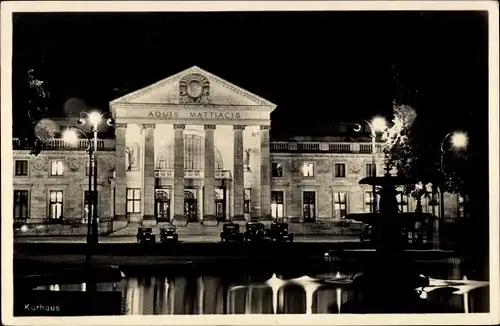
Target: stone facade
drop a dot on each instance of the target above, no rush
(326, 185)
(73, 182)
(195, 148)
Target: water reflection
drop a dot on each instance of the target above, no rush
(191, 293)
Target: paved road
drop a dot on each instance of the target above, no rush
(190, 239)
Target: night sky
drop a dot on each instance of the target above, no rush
(318, 67)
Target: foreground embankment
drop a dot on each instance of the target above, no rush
(125, 253)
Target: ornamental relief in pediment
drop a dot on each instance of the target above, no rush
(194, 88)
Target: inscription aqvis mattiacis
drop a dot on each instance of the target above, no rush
(194, 115)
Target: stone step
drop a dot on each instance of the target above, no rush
(190, 229)
(198, 229)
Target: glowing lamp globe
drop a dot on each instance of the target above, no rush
(379, 124)
(459, 140)
(70, 136)
(94, 118)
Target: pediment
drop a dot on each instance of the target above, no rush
(194, 86)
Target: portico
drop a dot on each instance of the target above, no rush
(192, 148)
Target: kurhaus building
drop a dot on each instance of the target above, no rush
(195, 148)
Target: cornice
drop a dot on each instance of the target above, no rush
(194, 107)
(320, 156)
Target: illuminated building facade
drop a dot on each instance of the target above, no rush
(196, 149)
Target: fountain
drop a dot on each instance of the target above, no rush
(389, 273)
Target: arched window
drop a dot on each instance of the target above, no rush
(188, 195)
(194, 156)
(161, 195)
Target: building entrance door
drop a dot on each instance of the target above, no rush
(190, 207)
(162, 206)
(220, 205)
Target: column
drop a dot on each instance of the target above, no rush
(228, 198)
(209, 176)
(179, 172)
(149, 173)
(120, 172)
(171, 204)
(199, 200)
(265, 173)
(112, 206)
(238, 182)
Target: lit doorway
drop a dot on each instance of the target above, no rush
(190, 207)
(220, 204)
(162, 206)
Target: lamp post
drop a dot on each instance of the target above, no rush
(458, 140)
(94, 118)
(377, 124)
(71, 136)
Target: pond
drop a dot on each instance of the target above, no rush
(285, 290)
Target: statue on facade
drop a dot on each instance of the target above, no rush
(246, 161)
(131, 157)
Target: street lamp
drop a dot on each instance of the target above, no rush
(95, 119)
(70, 135)
(376, 125)
(459, 140)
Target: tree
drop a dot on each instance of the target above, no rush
(31, 111)
(406, 152)
(411, 147)
(396, 148)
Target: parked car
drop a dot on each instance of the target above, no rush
(366, 233)
(231, 232)
(256, 231)
(145, 235)
(279, 232)
(169, 234)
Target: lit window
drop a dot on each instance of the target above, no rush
(277, 170)
(133, 200)
(403, 203)
(339, 170)
(309, 205)
(277, 204)
(89, 205)
(340, 199)
(56, 168)
(369, 201)
(55, 204)
(308, 170)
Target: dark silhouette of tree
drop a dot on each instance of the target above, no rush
(411, 148)
(32, 109)
(396, 148)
